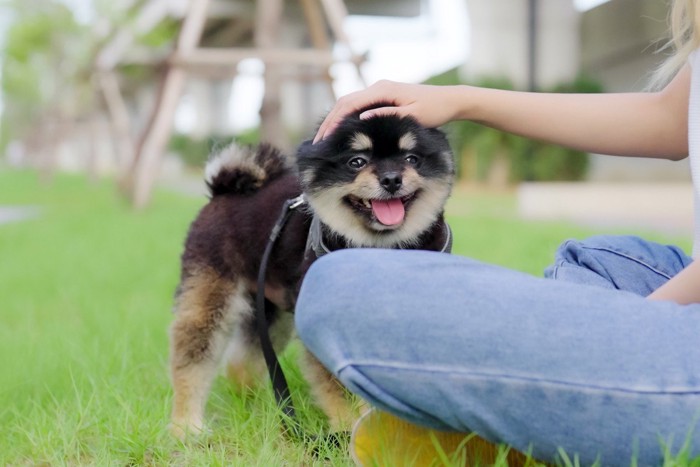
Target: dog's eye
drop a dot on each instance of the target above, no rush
(411, 159)
(357, 162)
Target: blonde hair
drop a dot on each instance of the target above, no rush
(684, 19)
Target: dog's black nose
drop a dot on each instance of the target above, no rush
(391, 181)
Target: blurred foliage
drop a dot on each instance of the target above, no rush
(488, 155)
(163, 34)
(49, 58)
(195, 152)
(44, 66)
(161, 37)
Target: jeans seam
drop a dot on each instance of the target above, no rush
(631, 258)
(555, 269)
(497, 376)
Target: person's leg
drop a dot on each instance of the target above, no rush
(451, 343)
(617, 262)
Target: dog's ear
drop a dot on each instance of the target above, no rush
(306, 153)
(305, 146)
(305, 149)
(439, 135)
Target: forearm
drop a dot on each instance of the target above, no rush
(683, 288)
(625, 124)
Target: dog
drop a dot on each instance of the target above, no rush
(380, 182)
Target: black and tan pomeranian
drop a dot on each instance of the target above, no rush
(379, 182)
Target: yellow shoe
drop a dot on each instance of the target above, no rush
(380, 439)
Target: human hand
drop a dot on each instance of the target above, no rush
(431, 106)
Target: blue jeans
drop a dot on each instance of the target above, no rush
(583, 362)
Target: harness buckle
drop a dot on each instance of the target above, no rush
(296, 202)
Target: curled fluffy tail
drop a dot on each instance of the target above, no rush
(240, 170)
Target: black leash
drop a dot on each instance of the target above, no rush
(290, 424)
(279, 382)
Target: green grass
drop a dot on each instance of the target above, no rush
(85, 298)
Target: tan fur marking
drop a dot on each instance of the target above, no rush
(361, 142)
(198, 341)
(245, 374)
(412, 179)
(187, 417)
(200, 307)
(330, 395)
(407, 141)
(277, 294)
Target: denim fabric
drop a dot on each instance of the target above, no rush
(620, 262)
(573, 363)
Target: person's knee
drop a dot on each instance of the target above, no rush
(328, 286)
(347, 287)
(579, 251)
(566, 253)
(578, 255)
(568, 250)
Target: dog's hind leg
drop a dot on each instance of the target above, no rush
(209, 308)
(243, 366)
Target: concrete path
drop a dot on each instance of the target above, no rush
(664, 207)
(18, 213)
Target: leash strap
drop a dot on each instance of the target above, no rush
(279, 382)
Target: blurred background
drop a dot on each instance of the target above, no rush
(144, 90)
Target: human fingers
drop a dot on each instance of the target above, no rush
(332, 122)
(352, 103)
(328, 123)
(382, 112)
(344, 106)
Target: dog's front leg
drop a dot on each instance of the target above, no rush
(331, 396)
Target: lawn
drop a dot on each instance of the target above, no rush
(85, 303)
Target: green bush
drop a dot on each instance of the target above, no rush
(488, 155)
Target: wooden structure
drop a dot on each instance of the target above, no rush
(140, 159)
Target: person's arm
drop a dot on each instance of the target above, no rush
(683, 288)
(652, 124)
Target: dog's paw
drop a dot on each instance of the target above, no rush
(187, 430)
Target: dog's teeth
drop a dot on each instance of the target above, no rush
(367, 203)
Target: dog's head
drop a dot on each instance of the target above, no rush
(379, 182)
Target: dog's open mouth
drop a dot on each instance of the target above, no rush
(389, 212)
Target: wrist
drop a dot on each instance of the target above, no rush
(464, 100)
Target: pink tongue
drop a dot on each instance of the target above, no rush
(388, 212)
